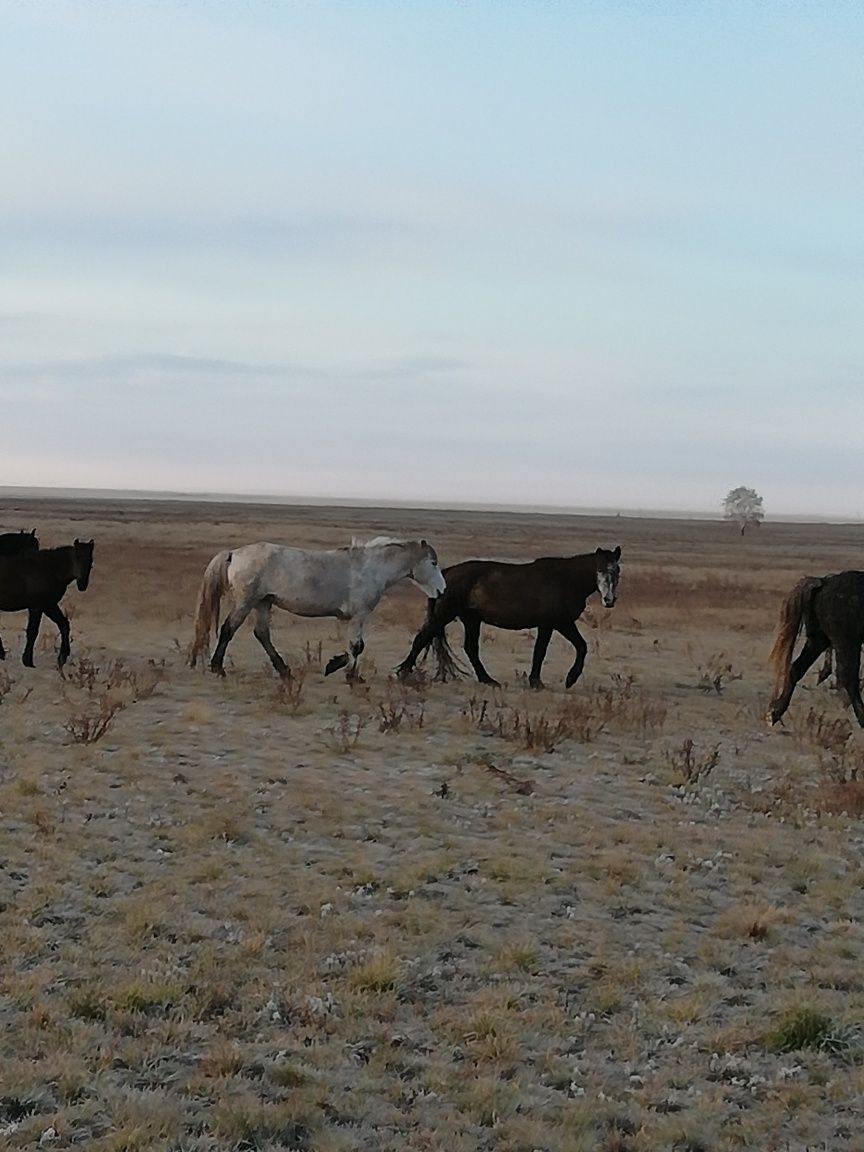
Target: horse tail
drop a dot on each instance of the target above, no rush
(213, 584)
(449, 667)
(792, 613)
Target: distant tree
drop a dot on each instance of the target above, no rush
(744, 506)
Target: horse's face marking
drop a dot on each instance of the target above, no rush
(608, 574)
(426, 574)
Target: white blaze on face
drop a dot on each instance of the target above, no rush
(428, 577)
(607, 583)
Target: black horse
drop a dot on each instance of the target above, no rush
(37, 581)
(548, 594)
(11, 543)
(831, 610)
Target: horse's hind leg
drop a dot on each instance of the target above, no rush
(570, 632)
(263, 614)
(544, 635)
(849, 676)
(231, 623)
(471, 624)
(443, 612)
(814, 646)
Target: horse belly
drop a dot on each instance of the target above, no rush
(505, 606)
(315, 594)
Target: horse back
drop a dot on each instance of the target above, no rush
(304, 582)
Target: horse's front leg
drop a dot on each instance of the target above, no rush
(849, 676)
(34, 619)
(827, 666)
(56, 614)
(355, 647)
(570, 632)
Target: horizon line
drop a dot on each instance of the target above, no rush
(39, 492)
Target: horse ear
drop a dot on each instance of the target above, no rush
(77, 541)
(617, 553)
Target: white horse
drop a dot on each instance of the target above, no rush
(343, 582)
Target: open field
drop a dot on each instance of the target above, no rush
(250, 915)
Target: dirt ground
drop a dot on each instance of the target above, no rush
(248, 914)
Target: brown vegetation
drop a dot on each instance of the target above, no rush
(261, 913)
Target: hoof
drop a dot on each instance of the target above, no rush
(537, 684)
(335, 663)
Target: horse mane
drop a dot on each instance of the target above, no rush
(375, 542)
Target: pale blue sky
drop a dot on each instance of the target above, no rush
(580, 254)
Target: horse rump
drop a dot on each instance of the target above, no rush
(213, 585)
(793, 614)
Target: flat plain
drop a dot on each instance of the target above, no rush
(255, 914)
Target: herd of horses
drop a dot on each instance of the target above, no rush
(549, 594)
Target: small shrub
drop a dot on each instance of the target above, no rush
(816, 728)
(289, 689)
(689, 765)
(92, 721)
(346, 729)
(716, 673)
(106, 691)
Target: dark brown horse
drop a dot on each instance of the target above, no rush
(11, 543)
(548, 594)
(37, 582)
(831, 611)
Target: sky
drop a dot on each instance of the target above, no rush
(576, 254)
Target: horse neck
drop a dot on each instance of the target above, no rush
(62, 563)
(393, 562)
(583, 570)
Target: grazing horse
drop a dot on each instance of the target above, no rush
(37, 581)
(548, 594)
(346, 583)
(831, 611)
(11, 543)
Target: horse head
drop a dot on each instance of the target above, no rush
(608, 573)
(426, 573)
(82, 562)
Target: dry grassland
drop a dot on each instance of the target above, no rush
(242, 914)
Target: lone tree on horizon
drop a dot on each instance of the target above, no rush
(744, 506)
